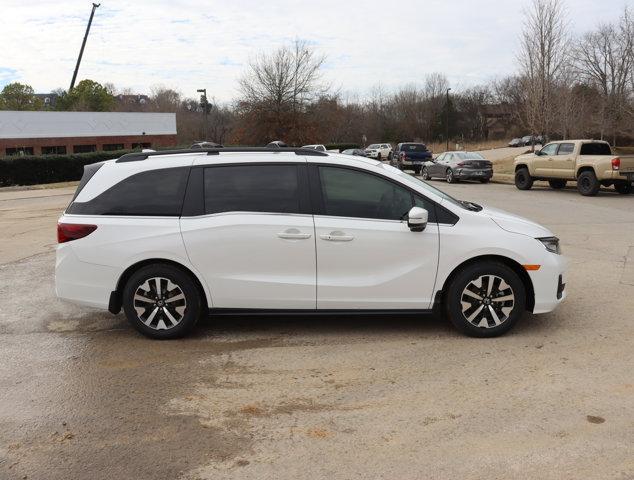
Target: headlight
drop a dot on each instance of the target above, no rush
(551, 244)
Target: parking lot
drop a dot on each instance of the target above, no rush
(85, 396)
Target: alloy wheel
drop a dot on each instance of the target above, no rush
(487, 301)
(160, 303)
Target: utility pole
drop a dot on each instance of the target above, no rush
(447, 120)
(205, 105)
(83, 44)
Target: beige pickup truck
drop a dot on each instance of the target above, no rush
(590, 162)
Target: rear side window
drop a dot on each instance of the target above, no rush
(252, 188)
(152, 193)
(598, 148)
(566, 148)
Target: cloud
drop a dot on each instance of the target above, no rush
(191, 44)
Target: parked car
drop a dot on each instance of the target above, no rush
(380, 151)
(455, 166)
(516, 142)
(354, 151)
(171, 237)
(529, 140)
(319, 148)
(590, 162)
(411, 156)
(276, 144)
(206, 145)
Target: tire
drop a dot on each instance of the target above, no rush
(426, 174)
(378, 156)
(587, 183)
(557, 184)
(523, 179)
(389, 156)
(623, 188)
(170, 318)
(417, 171)
(485, 316)
(449, 176)
(485, 180)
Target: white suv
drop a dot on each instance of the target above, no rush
(380, 151)
(171, 236)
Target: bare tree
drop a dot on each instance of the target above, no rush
(544, 53)
(605, 59)
(280, 85)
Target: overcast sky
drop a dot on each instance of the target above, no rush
(190, 44)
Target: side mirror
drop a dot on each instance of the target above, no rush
(538, 151)
(417, 219)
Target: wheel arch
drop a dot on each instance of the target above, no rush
(585, 168)
(116, 300)
(521, 165)
(509, 262)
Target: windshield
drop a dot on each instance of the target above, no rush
(419, 183)
(469, 156)
(374, 145)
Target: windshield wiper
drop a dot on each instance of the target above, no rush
(474, 207)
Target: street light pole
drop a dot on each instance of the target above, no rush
(205, 111)
(83, 44)
(447, 119)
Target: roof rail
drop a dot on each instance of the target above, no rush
(138, 156)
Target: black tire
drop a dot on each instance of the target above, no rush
(587, 183)
(557, 184)
(449, 176)
(485, 180)
(389, 156)
(476, 317)
(378, 156)
(425, 174)
(624, 188)
(185, 317)
(523, 179)
(416, 170)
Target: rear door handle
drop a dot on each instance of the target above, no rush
(336, 237)
(293, 234)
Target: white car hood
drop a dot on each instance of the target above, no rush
(516, 224)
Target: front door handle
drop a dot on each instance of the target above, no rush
(293, 234)
(336, 236)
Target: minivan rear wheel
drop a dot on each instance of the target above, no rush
(485, 299)
(162, 301)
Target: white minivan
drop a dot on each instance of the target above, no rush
(172, 236)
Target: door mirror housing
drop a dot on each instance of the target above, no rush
(417, 219)
(538, 151)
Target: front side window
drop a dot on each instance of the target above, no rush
(252, 188)
(549, 149)
(350, 193)
(151, 193)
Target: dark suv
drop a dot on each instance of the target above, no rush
(411, 156)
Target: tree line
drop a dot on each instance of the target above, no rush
(565, 87)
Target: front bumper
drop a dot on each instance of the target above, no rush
(549, 283)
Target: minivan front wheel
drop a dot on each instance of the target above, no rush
(162, 301)
(485, 299)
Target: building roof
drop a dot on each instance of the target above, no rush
(49, 124)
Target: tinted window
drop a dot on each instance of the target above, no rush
(153, 193)
(566, 148)
(414, 147)
(598, 148)
(350, 193)
(549, 149)
(252, 188)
